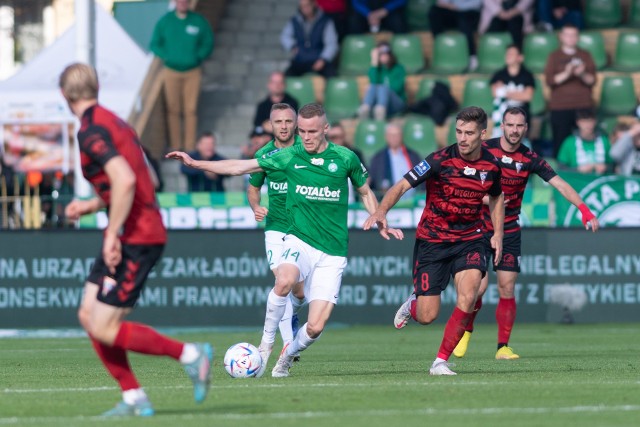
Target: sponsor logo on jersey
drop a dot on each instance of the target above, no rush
(278, 186)
(108, 284)
(519, 166)
(299, 166)
(506, 159)
(332, 167)
(469, 171)
(270, 153)
(324, 193)
(192, 30)
(317, 162)
(422, 168)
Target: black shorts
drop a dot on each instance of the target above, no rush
(434, 264)
(511, 251)
(123, 288)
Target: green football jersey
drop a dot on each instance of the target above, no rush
(277, 219)
(318, 193)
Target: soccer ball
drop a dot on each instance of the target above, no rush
(242, 360)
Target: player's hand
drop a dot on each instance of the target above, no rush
(77, 208)
(395, 232)
(496, 245)
(260, 213)
(589, 220)
(111, 251)
(182, 156)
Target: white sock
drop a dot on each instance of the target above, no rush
(134, 395)
(286, 331)
(275, 310)
(296, 303)
(302, 341)
(438, 360)
(189, 353)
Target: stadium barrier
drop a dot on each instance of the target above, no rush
(221, 278)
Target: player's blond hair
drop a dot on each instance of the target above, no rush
(312, 110)
(79, 81)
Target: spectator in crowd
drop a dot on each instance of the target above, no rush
(277, 88)
(625, 151)
(311, 38)
(200, 180)
(257, 139)
(375, 15)
(182, 39)
(556, 13)
(338, 11)
(570, 74)
(385, 95)
(512, 86)
(389, 165)
(514, 16)
(460, 15)
(338, 136)
(587, 150)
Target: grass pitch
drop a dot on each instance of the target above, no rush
(576, 375)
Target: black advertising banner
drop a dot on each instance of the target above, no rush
(221, 278)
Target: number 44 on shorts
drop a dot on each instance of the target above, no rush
(286, 254)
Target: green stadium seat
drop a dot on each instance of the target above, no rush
(633, 19)
(627, 51)
(537, 47)
(419, 134)
(416, 13)
(355, 55)
(538, 104)
(369, 138)
(617, 96)
(491, 50)
(341, 98)
(451, 133)
(408, 49)
(450, 53)
(593, 42)
(602, 13)
(301, 88)
(477, 91)
(606, 124)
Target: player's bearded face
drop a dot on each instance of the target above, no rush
(514, 128)
(469, 137)
(283, 123)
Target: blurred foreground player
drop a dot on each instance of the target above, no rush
(113, 162)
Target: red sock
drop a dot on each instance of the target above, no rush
(505, 317)
(453, 331)
(146, 340)
(117, 363)
(412, 309)
(474, 313)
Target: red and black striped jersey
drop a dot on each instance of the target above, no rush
(455, 188)
(516, 169)
(103, 136)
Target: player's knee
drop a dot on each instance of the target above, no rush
(84, 319)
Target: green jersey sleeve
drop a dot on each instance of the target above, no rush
(278, 161)
(358, 173)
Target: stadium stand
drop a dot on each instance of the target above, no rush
(369, 137)
(627, 56)
(602, 13)
(408, 50)
(537, 46)
(301, 88)
(416, 14)
(617, 96)
(593, 42)
(477, 91)
(341, 98)
(491, 50)
(355, 54)
(419, 134)
(450, 53)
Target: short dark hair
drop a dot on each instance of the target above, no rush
(311, 110)
(282, 106)
(514, 46)
(514, 111)
(585, 114)
(473, 115)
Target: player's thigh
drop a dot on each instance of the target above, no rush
(273, 243)
(325, 279)
(469, 267)
(295, 265)
(431, 268)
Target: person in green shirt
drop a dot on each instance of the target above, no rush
(385, 95)
(315, 246)
(283, 121)
(182, 39)
(587, 150)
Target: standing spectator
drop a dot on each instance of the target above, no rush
(338, 11)
(625, 151)
(557, 13)
(201, 180)
(461, 15)
(512, 86)
(182, 39)
(391, 163)
(385, 95)
(375, 15)
(311, 38)
(570, 74)
(277, 88)
(586, 151)
(514, 16)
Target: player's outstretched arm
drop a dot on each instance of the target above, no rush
(589, 220)
(253, 196)
(76, 208)
(496, 208)
(378, 215)
(220, 167)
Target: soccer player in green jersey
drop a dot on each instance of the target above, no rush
(283, 121)
(315, 247)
